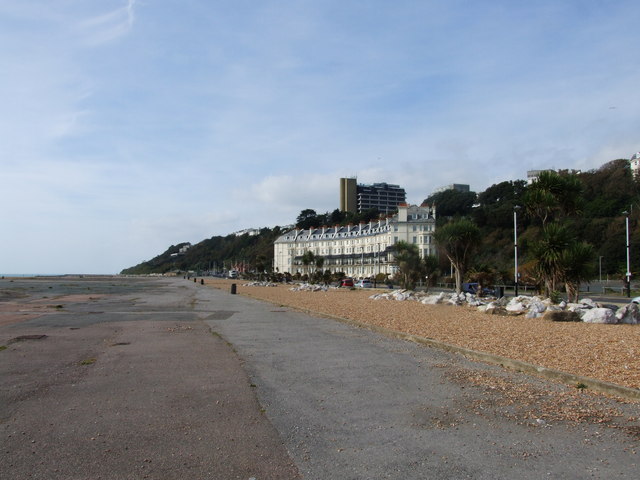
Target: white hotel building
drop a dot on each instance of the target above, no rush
(362, 250)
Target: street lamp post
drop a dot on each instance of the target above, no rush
(628, 274)
(600, 267)
(515, 247)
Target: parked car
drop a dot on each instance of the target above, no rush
(364, 283)
(346, 282)
(471, 287)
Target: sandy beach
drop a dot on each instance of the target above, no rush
(603, 352)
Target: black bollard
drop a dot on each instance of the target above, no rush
(195, 280)
(202, 281)
(233, 289)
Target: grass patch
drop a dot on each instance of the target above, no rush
(3, 347)
(88, 361)
(581, 386)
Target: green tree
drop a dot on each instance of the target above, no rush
(552, 195)
(458, 240)
(452, 202)
(578, 267)
(308, 258)
(307, 219)
(549, 253)
(410, 267)
(431, 271)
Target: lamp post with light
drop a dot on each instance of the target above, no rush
(515, 247)
(628, 274)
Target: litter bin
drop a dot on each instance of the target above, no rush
(233, 289)
(499, 292)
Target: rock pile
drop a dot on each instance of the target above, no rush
(259, 284)
(308, 287)
(529, 306)
(427, 299)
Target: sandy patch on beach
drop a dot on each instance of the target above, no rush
(604, 352)
(77, 298)
(21, 311)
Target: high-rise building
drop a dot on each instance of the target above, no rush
(357, 198)
(348, 195)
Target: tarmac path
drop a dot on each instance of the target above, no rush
(129, 382)
(353, 404)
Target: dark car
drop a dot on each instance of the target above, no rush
(473, 288)
(346, 282)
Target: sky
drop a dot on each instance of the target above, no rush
(128, 126)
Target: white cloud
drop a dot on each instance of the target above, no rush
(126, 129)
(107, 27)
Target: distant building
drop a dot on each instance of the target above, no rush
(460, 187)
(358, 198)
(249, 231)
(634, 163)
(349, 195)
(532, 175)
(362, 250)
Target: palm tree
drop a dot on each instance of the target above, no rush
(553, 194)
(548, 252)
(307, 259)
(458, 240)
(407, 258)
(578, 262)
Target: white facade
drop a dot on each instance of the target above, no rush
(635, 164)
(362, 250)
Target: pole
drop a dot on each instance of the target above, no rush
(628, 260)
(515, 248)
(600, 267)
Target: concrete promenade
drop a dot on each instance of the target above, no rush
(130, 382)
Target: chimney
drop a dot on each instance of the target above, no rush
(402, 212)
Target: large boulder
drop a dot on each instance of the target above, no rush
(401, 295)
(629, 314)
(599, 315)
(493, 308)
(433, 299)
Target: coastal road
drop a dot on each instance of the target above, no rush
(167, 378)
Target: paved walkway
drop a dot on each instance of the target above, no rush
(352, 404)
(129, 382)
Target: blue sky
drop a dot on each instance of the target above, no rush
(130, 125)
